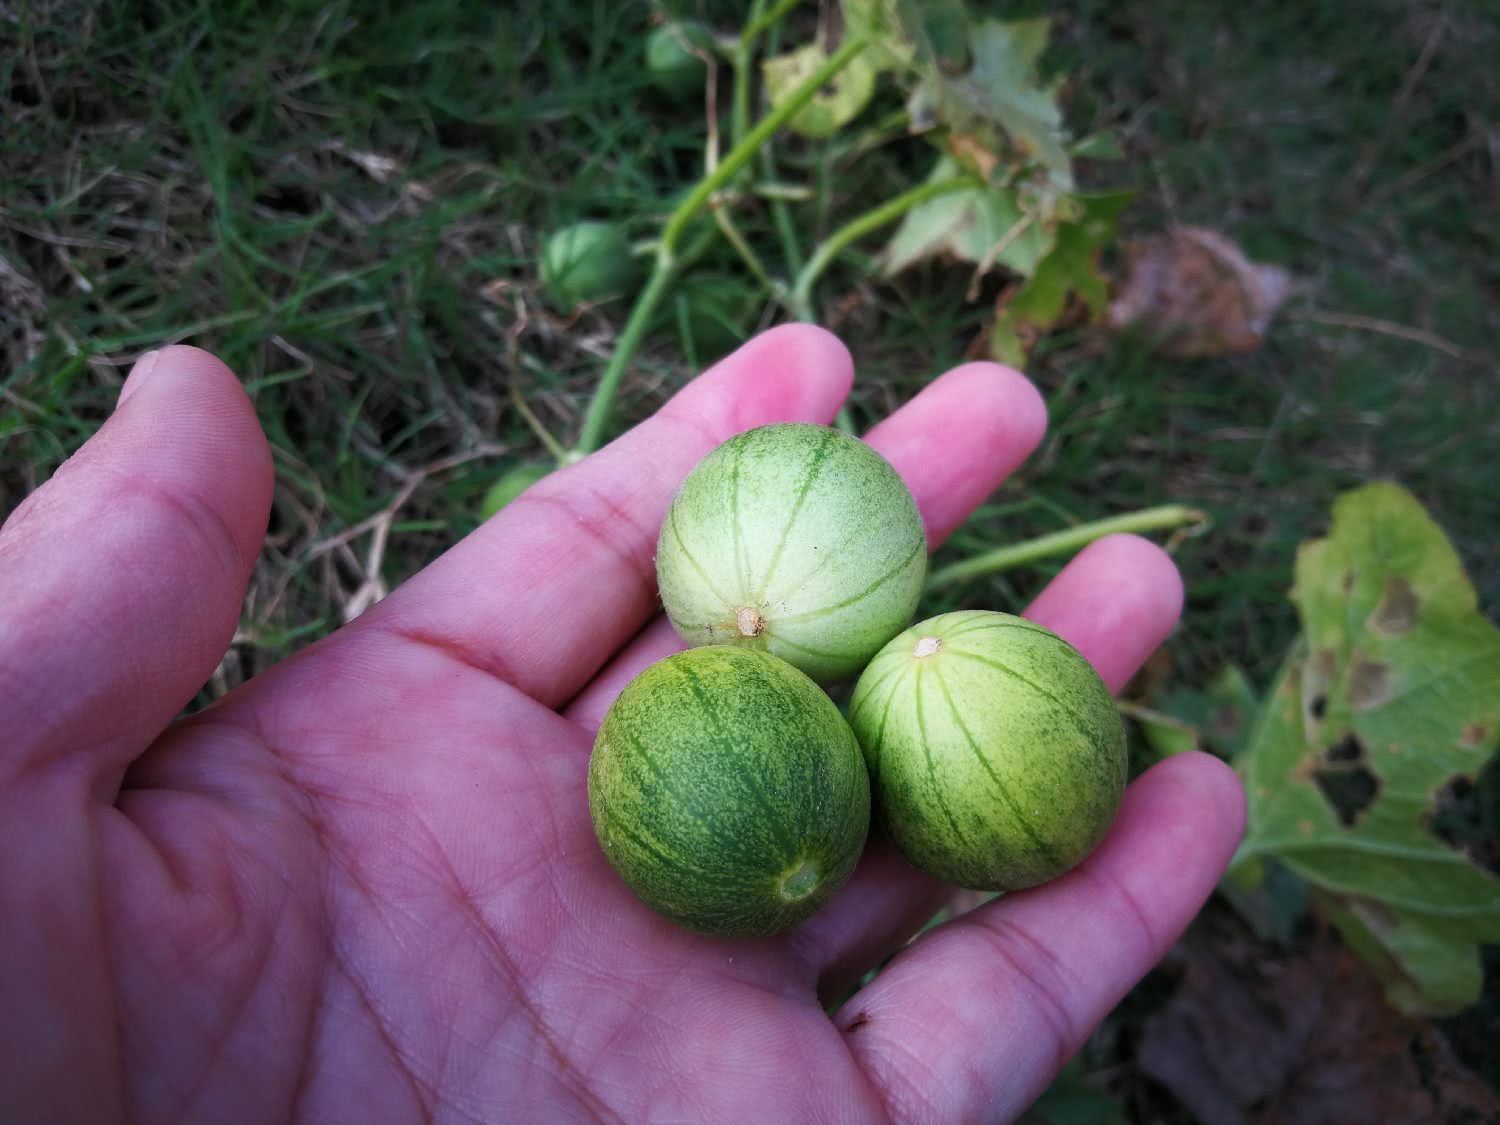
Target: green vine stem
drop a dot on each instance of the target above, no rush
(597, 417)
(1163, 518)
(745, 250)
(800, 299)
(760, 22)
(757, 26)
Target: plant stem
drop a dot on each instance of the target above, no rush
(544, 435)
(746, 252)
(742, 152)
(630, 337)
(597, 417)
(781, 214)
(760, 24)
(856, 228)
(739, 61)
(1065, 542)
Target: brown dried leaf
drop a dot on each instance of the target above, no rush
(1255, 1038)
(1196, 294)
(973, 153)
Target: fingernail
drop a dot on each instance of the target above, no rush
(138, 375)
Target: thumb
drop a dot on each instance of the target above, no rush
(121, 578)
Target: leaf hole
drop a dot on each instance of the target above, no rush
(1347, 749)
(1345, 782)
(1461, 814)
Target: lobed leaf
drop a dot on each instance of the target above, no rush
(1387, 703)
(966, 225)
(832, 107)
(1000, 89)
(1070, 267)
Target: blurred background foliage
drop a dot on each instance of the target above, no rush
(349, 202)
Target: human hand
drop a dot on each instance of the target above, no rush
(364, 886)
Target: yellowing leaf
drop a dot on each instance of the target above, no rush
(1390, 699)
(1070, 267)
(1000, 89)
(831, 108)
(881, 22)
(967, 225)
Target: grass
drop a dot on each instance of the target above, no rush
(345, 202)
(352, 224)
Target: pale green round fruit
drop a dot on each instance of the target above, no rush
(797, 540)
(728, 792)
(997, 758)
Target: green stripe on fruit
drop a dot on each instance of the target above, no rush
(728, 792)
(997, 758)
(796, 540)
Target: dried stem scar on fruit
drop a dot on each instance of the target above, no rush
(997, 758)
(728, 792)
(797, 540)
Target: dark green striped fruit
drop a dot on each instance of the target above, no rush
(728, 792)
(997, 758)
(797, 540)
(673, 60)
(586, 262)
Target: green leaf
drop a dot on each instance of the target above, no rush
(1423, 971)
(831, 108)
(966, 225)
(1390, 697)
(1000, 90)
(1070, 267)
(1166, 734)
(886, 26)
(946, 34)
(1070, 1100)
(1222, 712)
(1098, 146)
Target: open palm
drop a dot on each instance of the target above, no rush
(364, 886)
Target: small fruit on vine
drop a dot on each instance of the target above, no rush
(509, 485)
(585, 262)
(674, 59)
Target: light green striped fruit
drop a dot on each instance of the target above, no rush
(997, 758)
(798, 540)
(728, 792)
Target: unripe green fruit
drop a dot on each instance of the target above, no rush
(509, 485)
(795, 539)
(997, 758)
(672, 61)
(728, 792)
(587, 261)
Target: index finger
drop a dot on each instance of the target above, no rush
(547, 590)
